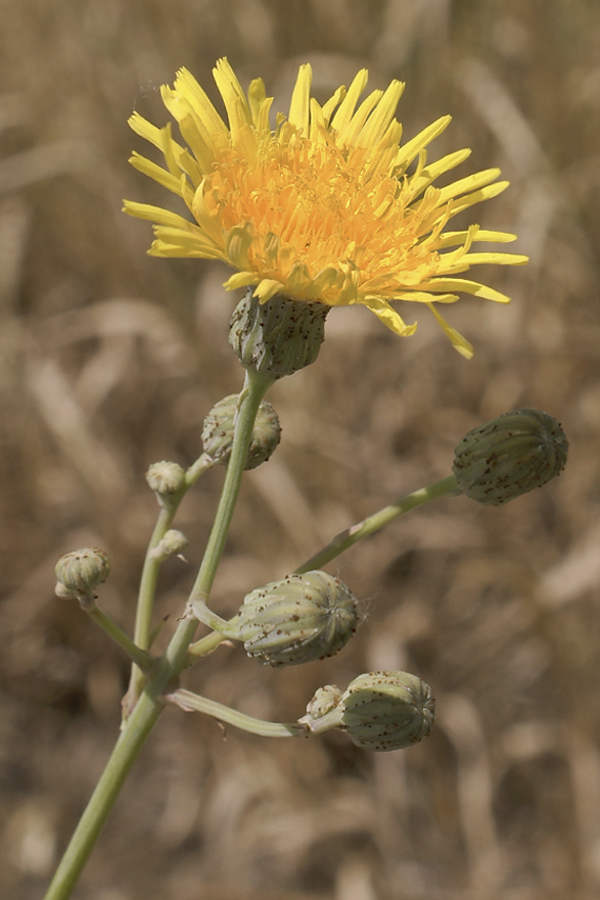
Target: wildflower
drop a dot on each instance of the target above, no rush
(322, 207)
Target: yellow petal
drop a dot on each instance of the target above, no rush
(459, 342)
(299, 106)
(345, 111)
(390, 318)
(467, 287)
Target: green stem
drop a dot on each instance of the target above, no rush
(147, 592)
(191, 702)
(145, 603)
(165, 670)
(344, 540)
(140, 657)
(202, 464)
(255, 387)
(204, 646)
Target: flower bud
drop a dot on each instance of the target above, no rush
(217, 433)
(80, 571)
(300, 619)
(174, 542)
(509, 456)
(278, 337)
(165, 478)
(387, 710)
(326, 699)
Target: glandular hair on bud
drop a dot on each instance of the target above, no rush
(510, 456)
(387, 710)
(165, 478)
(297, 620)
(278, 337)
(219, 426)
(80, 571)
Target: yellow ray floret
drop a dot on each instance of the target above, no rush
(321, 207)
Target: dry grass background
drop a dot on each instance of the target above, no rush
(110, 360)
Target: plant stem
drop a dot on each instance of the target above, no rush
(148, 581)
(348, 537)
(140, 657)
(204, 646)
(166, 669)
(191, 702)
(255, 387)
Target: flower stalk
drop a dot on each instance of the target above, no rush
(166, 670)
(190, 702)
(447, 487)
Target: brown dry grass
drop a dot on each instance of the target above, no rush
(111, 359)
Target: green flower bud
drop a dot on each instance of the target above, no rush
(326, 699)
(217, 433)
(165, 478)
(64, 593)
(173, 542)
(300, 619)
(80, 571)
(509, 456)
(387, 710)
(278, 337)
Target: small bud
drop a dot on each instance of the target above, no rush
(387, 710)
(174, 542)
(217, 433)
(509, 456)
(300, 619)
(278, 337)
(80, 571)
(165, 478)
(64, 593)
(326, 699)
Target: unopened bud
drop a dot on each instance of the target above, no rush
(219, 425)
(299, 619)
(174, 542)
(326, 699)
(278, 337)
(80, 571)
(509, 456)
(387, 710)
(165, 478)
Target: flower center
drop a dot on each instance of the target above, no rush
(322, 205)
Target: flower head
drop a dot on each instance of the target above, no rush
(509, 456)
(298, 620)
(322, 207)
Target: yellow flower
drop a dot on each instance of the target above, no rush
(322, 207)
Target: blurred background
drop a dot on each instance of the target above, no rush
(111, 359)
